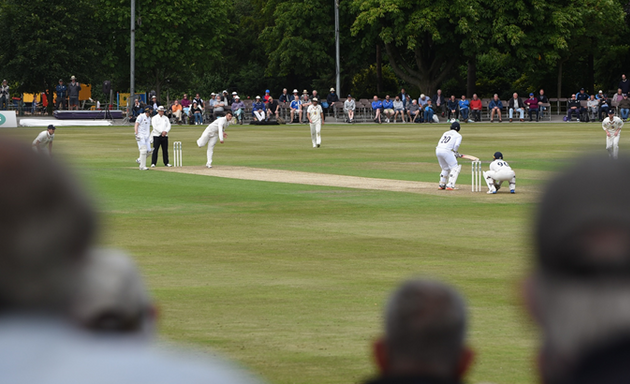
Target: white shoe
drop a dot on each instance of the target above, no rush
(144, 169)
(168, 165)
(208, 166)
(138, 161)
(386, 120)
(152, 165)
(491, 192)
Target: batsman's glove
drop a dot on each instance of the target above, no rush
(457, 154)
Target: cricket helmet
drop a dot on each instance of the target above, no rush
(498, 155)
(455, 125)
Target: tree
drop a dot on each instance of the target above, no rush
(424, 40)
(55, 42)
(173, 38)
(301, 41)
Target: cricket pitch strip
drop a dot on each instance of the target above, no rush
(341, 181)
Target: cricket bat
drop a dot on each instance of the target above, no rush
(470, 157)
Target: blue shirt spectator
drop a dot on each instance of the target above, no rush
(463, 103)
(582, 95)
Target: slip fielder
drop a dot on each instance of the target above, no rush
(43, 142)
(446, 152)
(142, 130)
(499, 172)
(214, 132)
(612, 126)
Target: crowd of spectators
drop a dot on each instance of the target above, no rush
(401, 107)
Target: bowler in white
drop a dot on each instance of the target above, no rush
(142, 130)
(214, 132)
(315, 115)
(499, 172)
(446, 152)
(43, 142)
(612, 126)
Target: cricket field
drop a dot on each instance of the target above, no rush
(290, 279)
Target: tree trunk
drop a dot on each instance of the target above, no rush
(379, 70)
(591, 74)
(50, 94)
(472, 77)
(559, 83)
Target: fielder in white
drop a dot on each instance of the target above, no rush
(499, 172)
(446, 152)
(43, 142)
(214, 132)
(315, 115)
(612, 125)
(142, 130)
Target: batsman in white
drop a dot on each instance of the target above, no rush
(43, 141)
(446, 152)
(316, 119)
(142, 130)
(214, 132)
(499, 172)
(612, 126)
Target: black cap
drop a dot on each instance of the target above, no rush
(51, 127)
(455, 126)
(583, 230)
(147, 109)
(498, 155)
(581, 89)
(611, 111)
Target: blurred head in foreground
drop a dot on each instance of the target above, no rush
(579, 292)
(111, 296)
(46, 226)
(425, 330)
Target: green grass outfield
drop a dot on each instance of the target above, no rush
(290, 280)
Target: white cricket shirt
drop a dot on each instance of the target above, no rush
(315, 113)
(450, 141)
(612, 126)
(160, 124)
(144, 125)
(44, 138)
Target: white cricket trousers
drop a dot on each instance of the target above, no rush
(210, 136)
(612, 145)
(316, 133)
(499, 177)
(447, 161)
(144, 152)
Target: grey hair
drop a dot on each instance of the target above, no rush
(45, 228)
(425, 327)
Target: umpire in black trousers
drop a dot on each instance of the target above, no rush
(161, 126)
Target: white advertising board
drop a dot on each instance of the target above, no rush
(7, 119)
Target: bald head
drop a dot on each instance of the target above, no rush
(45, 228)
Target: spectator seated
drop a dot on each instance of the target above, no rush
(237, 109)
(349, 107)
(259, 109)
(496, 107)
(399, 109)
(624, 107)
(377, 107)
(413, 112)
(453, 108)
(532, 106)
